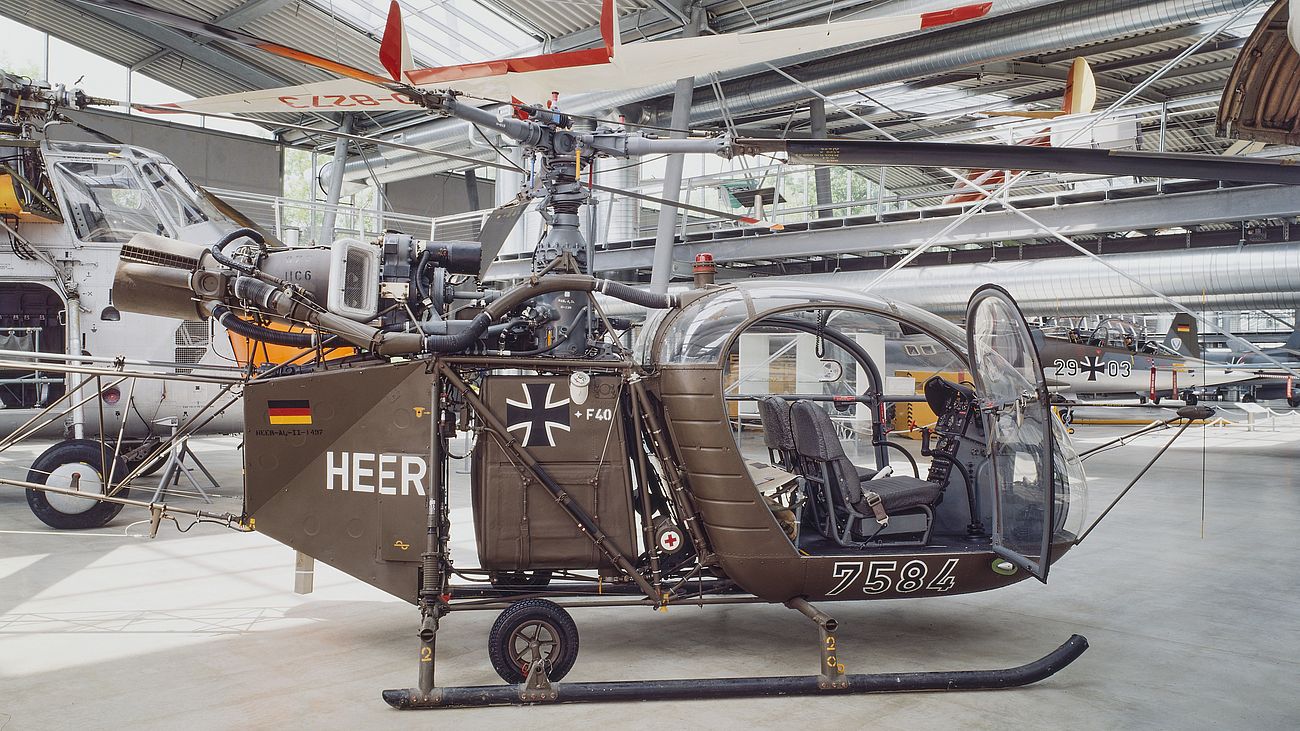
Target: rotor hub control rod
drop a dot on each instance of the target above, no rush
(751, 687)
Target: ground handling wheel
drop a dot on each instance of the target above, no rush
(56, 467)
(531, 630)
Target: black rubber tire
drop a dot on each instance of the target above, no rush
(1191, 399)
(66, 452)
(1248, 398)
(522, 615)
(1293, 402)
(521, 579)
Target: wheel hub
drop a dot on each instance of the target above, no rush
(532, 642)
(88, 481)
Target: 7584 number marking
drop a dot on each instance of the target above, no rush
(902, 577)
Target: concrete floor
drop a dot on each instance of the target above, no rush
(107, 629)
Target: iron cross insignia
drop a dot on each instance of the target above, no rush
(537, 415)
(1092, 365)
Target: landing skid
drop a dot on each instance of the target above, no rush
(538, 690)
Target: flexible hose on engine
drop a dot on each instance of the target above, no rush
(234, 324)
(641, 297)
(512, 298)
(238, 233)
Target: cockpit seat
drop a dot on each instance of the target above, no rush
(778, 436)
(847, 507)
(774, 412)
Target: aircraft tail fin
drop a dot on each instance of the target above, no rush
(1080, 89)
(1293, 340)
(609, 30)
(395, 48)
(1183, 336)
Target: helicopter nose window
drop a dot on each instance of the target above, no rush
(106, 202)
(181, 199)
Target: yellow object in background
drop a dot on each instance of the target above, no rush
(909, 418)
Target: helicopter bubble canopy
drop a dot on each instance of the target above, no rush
(110, 193)
(702, 331)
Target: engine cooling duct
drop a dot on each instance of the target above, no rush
(161, 276)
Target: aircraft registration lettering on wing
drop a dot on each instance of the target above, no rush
(329, 101)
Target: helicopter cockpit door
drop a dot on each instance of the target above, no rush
(1017, 414)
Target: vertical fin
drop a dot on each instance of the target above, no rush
(395, 49)
(1293, 340)
(609, 30)
(1081, 89)
(1183, 337)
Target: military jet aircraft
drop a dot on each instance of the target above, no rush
(1275, 385)
(1116, 359)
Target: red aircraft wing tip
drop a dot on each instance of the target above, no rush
(155, 108)
(390, 48)
(955, 15)
(607, 25)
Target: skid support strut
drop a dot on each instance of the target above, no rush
(710, 688)
(830, 669)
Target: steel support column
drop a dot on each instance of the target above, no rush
(662, 272)
(335, 189)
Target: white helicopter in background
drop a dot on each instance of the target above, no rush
(67, 210)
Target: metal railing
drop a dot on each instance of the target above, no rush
(299, 223)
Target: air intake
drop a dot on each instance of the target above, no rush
(353, 280)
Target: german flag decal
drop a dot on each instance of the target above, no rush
(289, 412)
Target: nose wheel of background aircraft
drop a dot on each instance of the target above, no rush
(532, 630)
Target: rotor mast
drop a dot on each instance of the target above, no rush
(563, 153)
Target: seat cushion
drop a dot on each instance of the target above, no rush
(900, 493)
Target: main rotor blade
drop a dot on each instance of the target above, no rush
(339, 135)
(1284, 171)
(712, 212)
(211, 30)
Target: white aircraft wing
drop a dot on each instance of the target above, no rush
(335, 95)
(628, 66)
